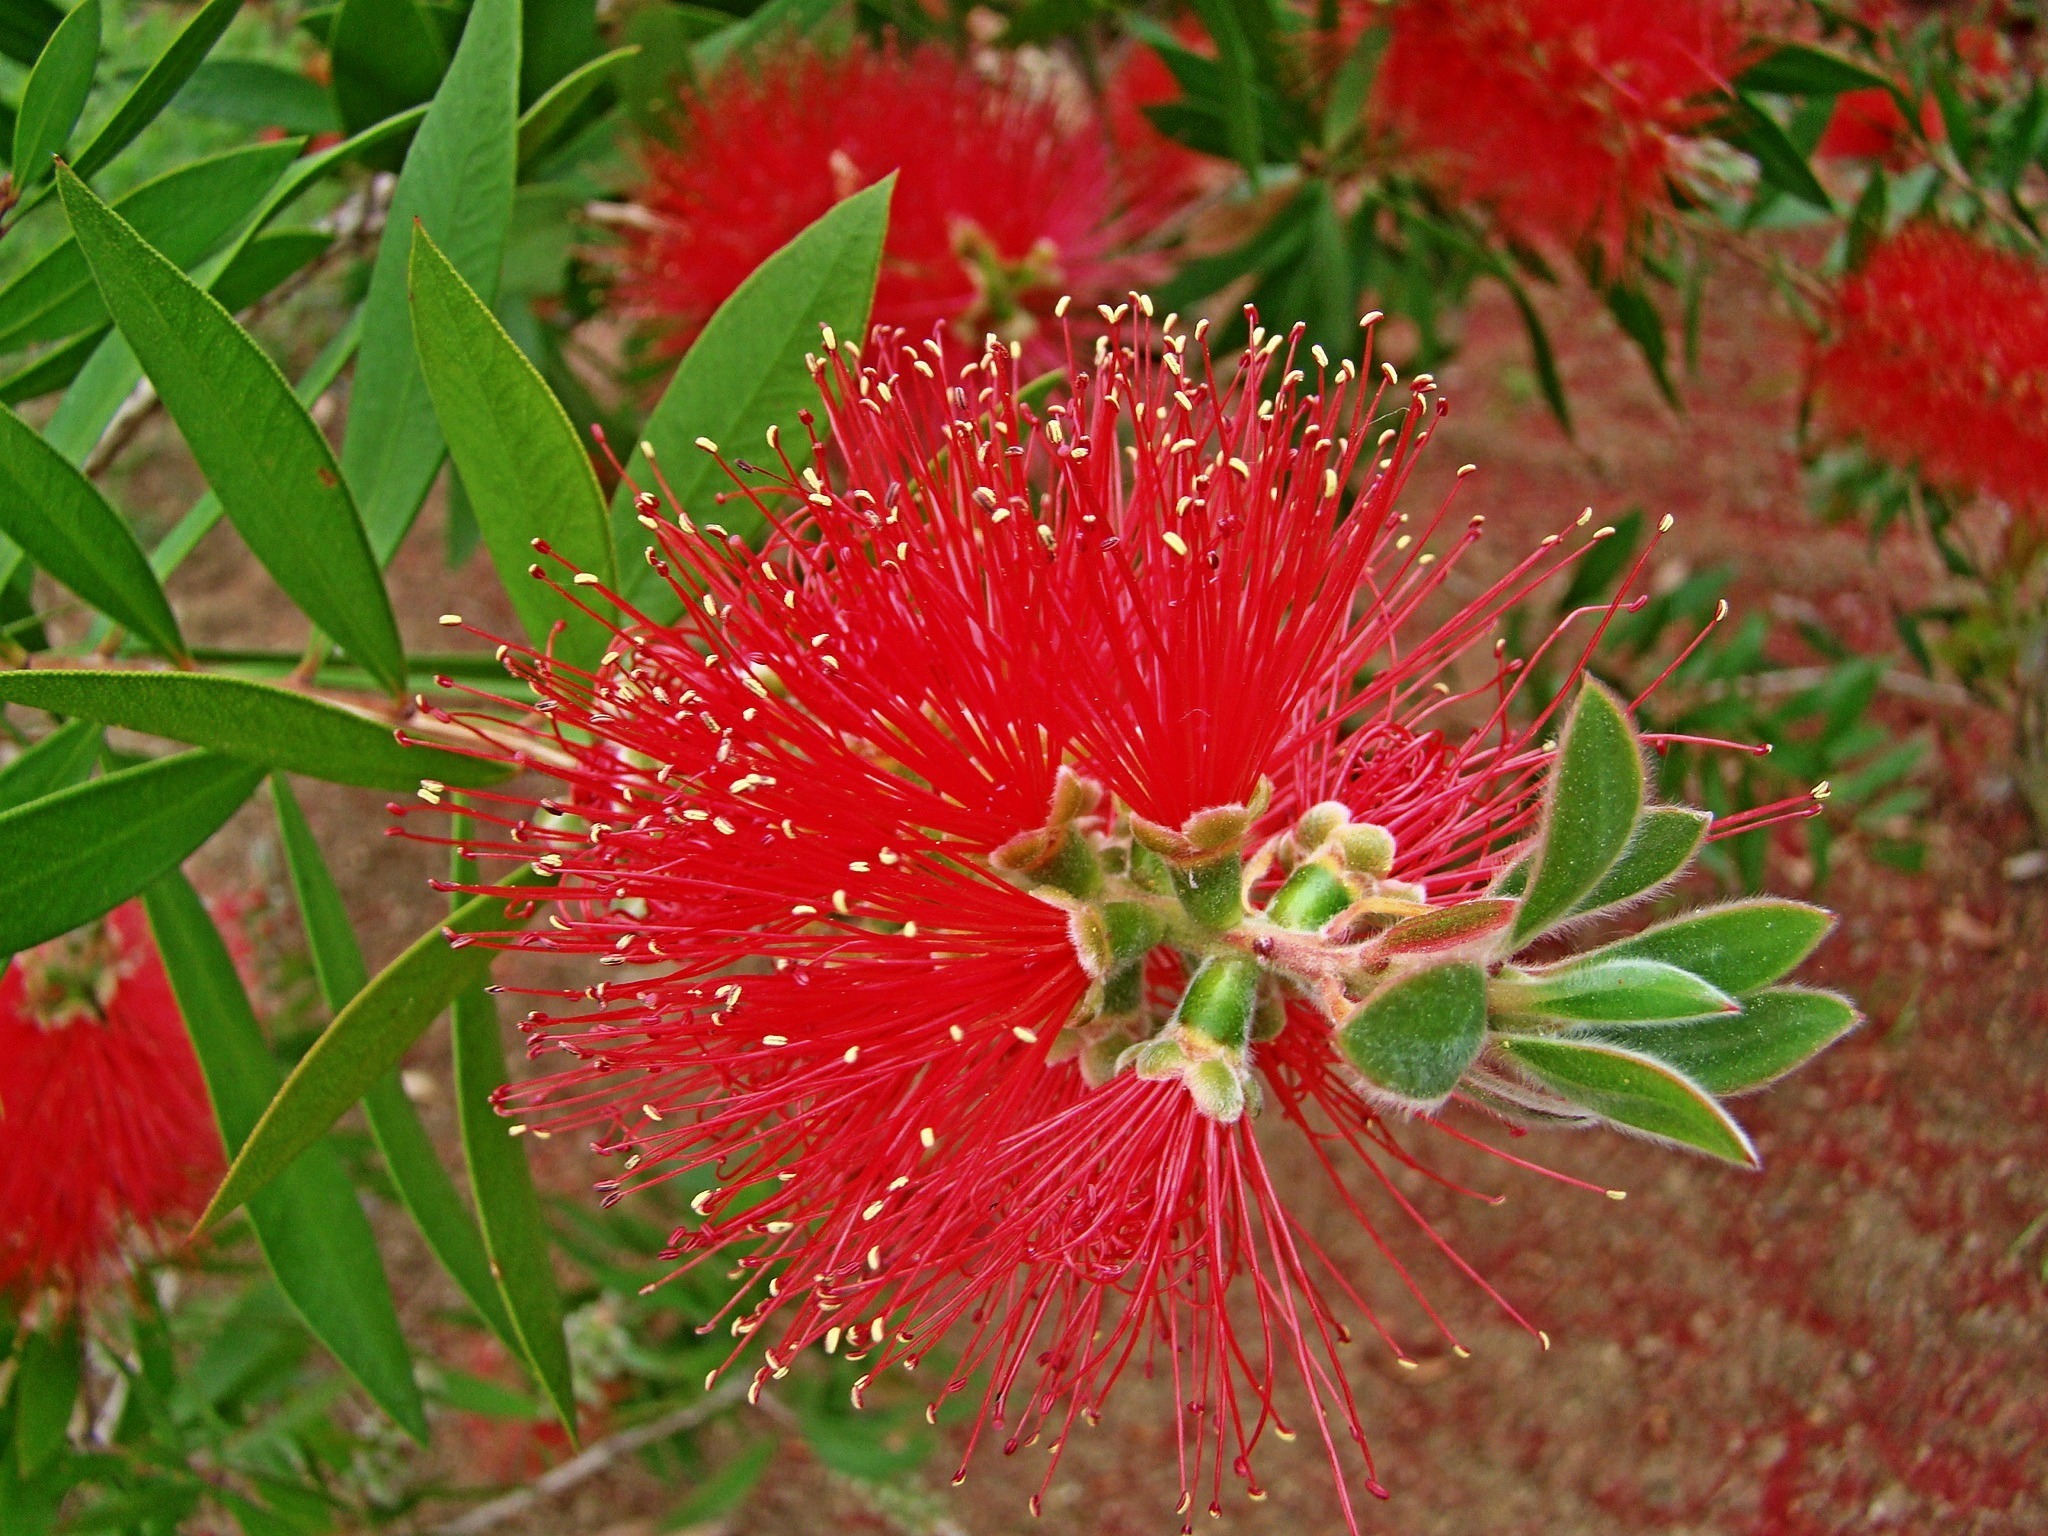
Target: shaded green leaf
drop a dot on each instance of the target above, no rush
(1608, 988)
(1737, 947)
(1542, 355)
(45, 1391)
(261, 452)
(773, 22)
(1590, 807)
(266, 261)
(1760, 136)
(723, 1491)
(74, 855)
(1640, 322)
(520, 458)
(1634, 1092)
(506, 1203)
(1867, 220)
(159, 84)
(276, 728)
(564, 101)
(1664, 841)
(255, 93)
(311, 1228)
(56, 92)
(25, 26)
(367, 1039)
(61, 759)
(1414, 1037)
(745, 372)
(422, 1183)
(385, 56)
(60, 518)
(457, 183)
(1800, 69)
(1447, 927)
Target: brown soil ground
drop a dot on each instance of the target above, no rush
(1849, 1341)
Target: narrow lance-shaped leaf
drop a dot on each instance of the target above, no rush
(274, 728)
(62, 758)
(367, 1039)
(60, 518)
(562, 101)
(261, 452)
(506, 1202)
(386, 55)
(1664, 841)
(520, 458)
(1777, 1030)
(1737, 947)
(1603, 989)
(745, 371)
(423, 1184)
(458, 183)
(45, 1393)
(309, 1224)
(74, 855)
(1634, 1092)
(56, 92)
(1590, 806)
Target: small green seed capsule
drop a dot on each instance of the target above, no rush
(1312, 896)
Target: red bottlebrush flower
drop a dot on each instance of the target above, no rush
(1938, 360)
(832, 833)
(105, 1125)
(1566, 117)
(1004, 195)
(1868, 125)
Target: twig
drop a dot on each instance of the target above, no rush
(1791, 680)
(596, 1459)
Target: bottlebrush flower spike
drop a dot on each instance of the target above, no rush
(104, 1121)
(1938, 360)
(1050, 806)
(1601, 94)
(1005, 196)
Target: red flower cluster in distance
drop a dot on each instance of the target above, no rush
(816, 827)
(104, 1121)
(1938, 360)
(1567, 117)
(1005, 196)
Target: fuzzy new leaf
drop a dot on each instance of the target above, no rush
(1633, 1091)
(1603, 990)
(1590, 808)
(1414, 1037)
(1737, 947)
(1665, 839)
(1777, 1030)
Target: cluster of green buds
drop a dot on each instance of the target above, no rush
(1646, 1032)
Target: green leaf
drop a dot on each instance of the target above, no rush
(1665, 839)
(61, 759)
(185, 213)
(723, 1491)
(159, 84)
(61, 519)
(274, 728)
(1590, 806)
(1868, 219)
(45, 1391)
(1799, 69)
(1542, 355)
(520, 458)
(1604, 988)
(261, 452)
(25, 26)
(540, 123)
(1760, 136)
(386, 55)
(309, 1223)
(423, 1184)
(367, 1039)
(266, 261)
(1776, 1031)
(1415, 1036)
(72, 856)
(56, 92)
(555, 37)
(1737, 947)
(506, 1202)
(1634, 1092)
(745, 371)
(770, 23)
(53, 371)
(457, 183)
(255, 93)
(1639, 320)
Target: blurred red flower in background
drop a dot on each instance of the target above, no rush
(1938, 360)
(1566, 117)
(1005, 196)
(105, 1126)
(1868, 125)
